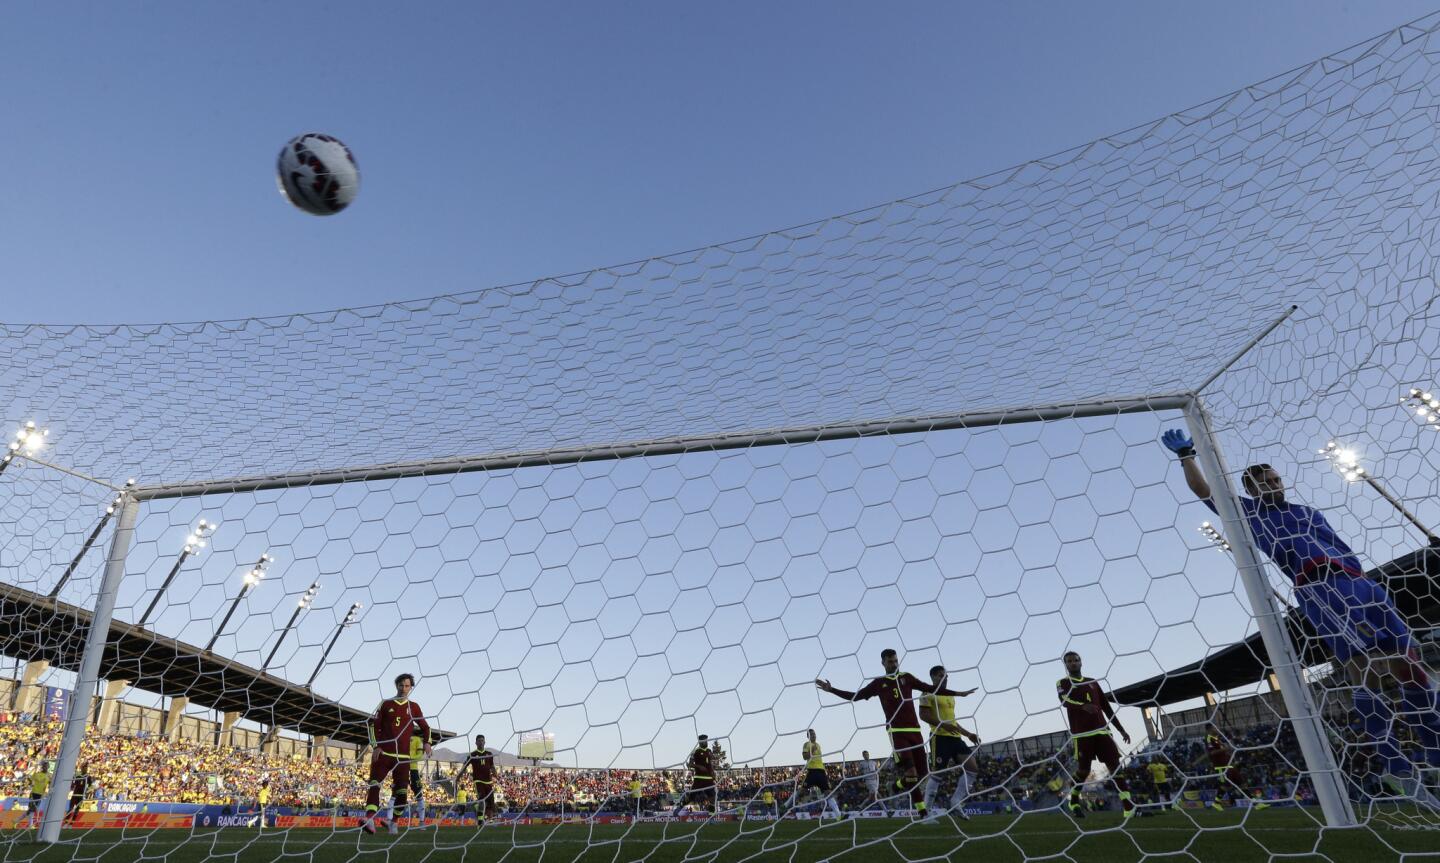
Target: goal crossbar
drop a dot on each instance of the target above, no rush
(672, 446)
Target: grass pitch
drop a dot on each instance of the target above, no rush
(1225, 837)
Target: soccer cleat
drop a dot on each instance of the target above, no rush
(1075, 811)
(368, 824)
(1411, 789)
(1397, 786)
(392, 828)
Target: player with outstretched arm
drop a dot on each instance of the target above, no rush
(895, 689)
(1353, 615)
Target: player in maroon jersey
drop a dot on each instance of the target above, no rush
(395, 721)
(702, 781)
(1089, 714)
(1222, 761)
(895, 690)
(78, 787)
(481, 762)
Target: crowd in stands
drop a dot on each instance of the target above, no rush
(124, 767)
(151, 768)
(1265, 760)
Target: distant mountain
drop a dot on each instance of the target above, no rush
(503, 759)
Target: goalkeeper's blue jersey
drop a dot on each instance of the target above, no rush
(1299, 539)
(1352, 614)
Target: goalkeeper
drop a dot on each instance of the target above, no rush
(1352, 613)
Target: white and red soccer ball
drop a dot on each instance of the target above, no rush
(318, 174)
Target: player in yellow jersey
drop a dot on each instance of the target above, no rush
(39, 787)
(262, 801)
(637, 794)
(416, 809)
(817, 781)
(949, 753)
(1160, 776)
(462, 803)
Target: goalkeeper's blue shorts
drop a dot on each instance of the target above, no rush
(1353, 615)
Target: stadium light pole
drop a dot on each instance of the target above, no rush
(1425, 405)
(1216, 538)
(247, 583)
(28, 441)
(303, 603)
(194, 541)
(1347, 461)
(349, 619)
(77, 717)
(1324, 773)
(90, 540)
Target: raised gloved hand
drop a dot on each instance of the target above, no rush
(1178, 442)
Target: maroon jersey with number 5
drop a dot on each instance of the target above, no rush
(395, 721)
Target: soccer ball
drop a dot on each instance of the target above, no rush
(318, 174)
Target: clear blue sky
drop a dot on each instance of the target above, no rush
(501, 144)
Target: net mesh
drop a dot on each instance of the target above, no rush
(1077, 277)
(624, 606)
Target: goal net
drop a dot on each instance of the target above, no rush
(598, 516)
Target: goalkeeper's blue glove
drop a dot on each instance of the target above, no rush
(1179, 443)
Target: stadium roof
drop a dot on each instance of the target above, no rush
(36, 627)
(1230, 667)
(1130, 266)
(1413, 581)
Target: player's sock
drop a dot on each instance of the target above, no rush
(1075, 799)
(917, 796)
(1127, 806)
(932, 789)
(962, 790)
(1420, 713)
(1378, 721)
